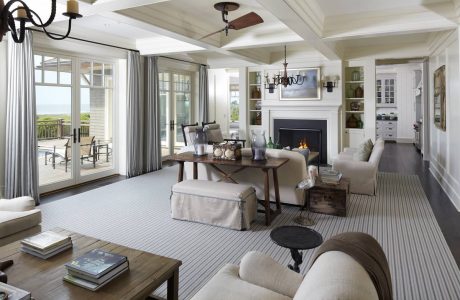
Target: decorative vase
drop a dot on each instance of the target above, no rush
(258, 144)
(359, 92)
(355, 75)
(200, 142)
(352, 122)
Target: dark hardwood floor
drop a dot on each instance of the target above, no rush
(405, 159)
(396, 158)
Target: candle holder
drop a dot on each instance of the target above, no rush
(200, 143)
(258, 144)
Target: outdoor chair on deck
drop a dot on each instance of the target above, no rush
(86, 152)
(215, 136)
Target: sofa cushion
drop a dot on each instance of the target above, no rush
(363, 151)
(15, 221)
(336, 275)
(227, 285)
(260, 269)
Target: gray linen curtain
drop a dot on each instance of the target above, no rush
(152, 116)
(21, 174)
(203, 94)
(134, 151)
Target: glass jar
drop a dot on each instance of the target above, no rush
(356, 75)
(258, 144)
(200, 143)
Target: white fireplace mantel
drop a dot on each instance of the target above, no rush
(306, 111)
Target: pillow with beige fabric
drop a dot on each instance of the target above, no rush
(364, 151)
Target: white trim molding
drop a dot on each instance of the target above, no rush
(295, 111)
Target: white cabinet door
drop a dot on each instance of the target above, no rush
(353, 137)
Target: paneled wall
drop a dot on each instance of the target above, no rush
(445, 145)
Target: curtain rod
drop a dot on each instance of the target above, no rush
(87, 41)
(182, 60)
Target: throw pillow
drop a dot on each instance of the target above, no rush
(364, 151)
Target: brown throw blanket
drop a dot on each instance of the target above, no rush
(367, 252)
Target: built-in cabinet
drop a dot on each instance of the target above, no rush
(255, 87)
(354, 97)
(386, 106)
(386, 90)
(387, 129)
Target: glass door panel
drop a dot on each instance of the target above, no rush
(182, 115)
(95, 119)
(165, 120)
(54, 119)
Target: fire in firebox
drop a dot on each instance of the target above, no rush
(303, 144)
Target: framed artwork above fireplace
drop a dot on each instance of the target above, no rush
(310, 89)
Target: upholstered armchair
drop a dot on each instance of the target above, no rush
(18, 218)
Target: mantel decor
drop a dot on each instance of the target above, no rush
(439, 110)
(309, 89)
(18, 11)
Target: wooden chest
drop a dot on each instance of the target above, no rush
(329, 199)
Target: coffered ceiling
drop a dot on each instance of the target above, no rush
(329, 29)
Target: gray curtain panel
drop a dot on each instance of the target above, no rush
(21, 174)
(134, 151)
(152, 116)
(203, 93)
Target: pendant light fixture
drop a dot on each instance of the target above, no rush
(284, 80)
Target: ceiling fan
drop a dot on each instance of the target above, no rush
(242, 22)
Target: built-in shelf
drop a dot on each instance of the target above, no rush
(355, 111)
(354, 98)
(354, 81)
(254, 95)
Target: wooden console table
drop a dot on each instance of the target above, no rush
(246, 162)
(43, 278)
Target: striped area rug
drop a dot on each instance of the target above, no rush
(136, 213)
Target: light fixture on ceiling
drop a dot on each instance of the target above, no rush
(24, 14)
(284, 80)
(330, 82)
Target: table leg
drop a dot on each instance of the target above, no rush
(173, 286)
(195, 170)
(267, 197)
(180, 177)
(277, 190)
(107, 153)
(297, 257)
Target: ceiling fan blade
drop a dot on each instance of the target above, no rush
(245, 21)
(208, 35)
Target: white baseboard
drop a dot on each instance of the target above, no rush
(405, 140)
(445, 181)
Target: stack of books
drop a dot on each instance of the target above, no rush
(329, 176)
(13, 293)
(95, 269)
(46, 244)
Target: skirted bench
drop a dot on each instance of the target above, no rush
(216, 203)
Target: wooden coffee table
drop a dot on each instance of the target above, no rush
(43, 278)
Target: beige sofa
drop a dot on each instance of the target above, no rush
(18, 218)
(289, 175)
(362, 174)
(334, 275)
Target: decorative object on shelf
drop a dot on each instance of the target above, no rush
(258, 144)
(200, 142)
(284, 80)
(226, 151)
(359, 92)
(258, 78)
(439, 112)
(255, 94)
(355, 106)
(247, 20)
(330, 82)
(258, 118)
(356, 75)
(360, 123)
(258, 105)
(352, 122)
(25, 14)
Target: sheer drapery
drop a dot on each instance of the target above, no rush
(21, 174)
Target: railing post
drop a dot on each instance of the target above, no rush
(60, 128)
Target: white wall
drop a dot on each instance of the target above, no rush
(218, 97)
(444, 146)
(3, 84)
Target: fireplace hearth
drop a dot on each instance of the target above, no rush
(293, 133)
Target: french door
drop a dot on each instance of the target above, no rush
(74, 121)
(176, 109)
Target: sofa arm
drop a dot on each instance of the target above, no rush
(353, 168)
(260, 269)
(17, 204)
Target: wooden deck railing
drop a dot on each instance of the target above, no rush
(58, 129)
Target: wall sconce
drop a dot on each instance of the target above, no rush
(330, 82)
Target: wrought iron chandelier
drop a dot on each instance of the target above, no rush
(284, 80)
(24, 15)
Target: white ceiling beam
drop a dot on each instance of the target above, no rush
(87, 9)
(291, 18)
(212, 45)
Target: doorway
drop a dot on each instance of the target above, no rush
(74, 122)
(175, 109)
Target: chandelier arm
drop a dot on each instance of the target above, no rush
(59, 37)
(14, 32)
